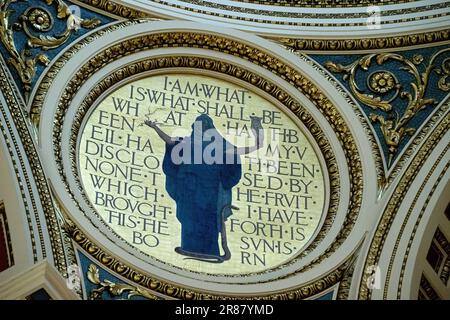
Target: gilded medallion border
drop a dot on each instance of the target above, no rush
(121, 75)
(174, 291)
(218, 43)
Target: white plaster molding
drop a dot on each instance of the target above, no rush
(39, 276)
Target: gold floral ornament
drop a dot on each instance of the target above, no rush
(114, 289)
(39, 20)
(382, 82)
(385, 85)
(444, 72)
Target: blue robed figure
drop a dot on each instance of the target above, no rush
(201, 171)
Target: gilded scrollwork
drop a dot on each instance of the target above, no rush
(444, 73)
(386, 89)
(40, 20)
(114, 289)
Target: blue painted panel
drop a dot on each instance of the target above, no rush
(20, 38)
(405, 78)
(326, 296)
(85, 262)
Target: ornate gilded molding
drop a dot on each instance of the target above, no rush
(418, 219)
(12, 144)
(117, 9)
(44, 197)
(175, 291)
(381, 174)
(384, 43)
(218, 43)
(46, 82)
(384, 225)
(323, 3)
(114, 289)
(394, 126)
(40, 20)
(259, 14)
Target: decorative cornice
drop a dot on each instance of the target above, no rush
(117, 9)
(44, 197)
(324, 3)
(6, 236)
(266, 15)
(379, 43)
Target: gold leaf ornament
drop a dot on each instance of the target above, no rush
(93, 274)
(114, 289)
(40, 20)
(393, 126)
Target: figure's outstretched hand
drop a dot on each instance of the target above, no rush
(151, 124)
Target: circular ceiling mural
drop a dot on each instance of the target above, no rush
(180, 165)
(202, 174)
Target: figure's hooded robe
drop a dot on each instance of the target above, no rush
(202, 191)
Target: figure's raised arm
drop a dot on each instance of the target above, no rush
(164, 136)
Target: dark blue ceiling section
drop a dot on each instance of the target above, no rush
(418, 59)
(41, 20)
